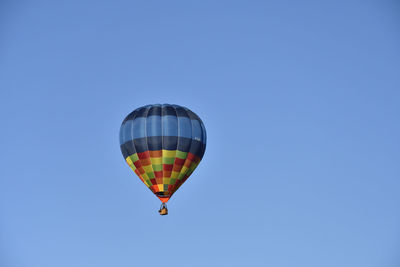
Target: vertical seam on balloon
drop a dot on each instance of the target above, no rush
(204, 141)
(180, 169)
(162, 142)
(147, 144)
(140, 161)
(195, 164)
(177, 145)
(123, 138)
(191, 141)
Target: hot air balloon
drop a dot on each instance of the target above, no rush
(163, 144)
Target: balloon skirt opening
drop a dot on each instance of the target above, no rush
(163, 199)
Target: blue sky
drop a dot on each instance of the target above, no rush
(300, 100)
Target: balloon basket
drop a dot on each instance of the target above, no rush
(163, 209)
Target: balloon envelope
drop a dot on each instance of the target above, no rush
(163, 144)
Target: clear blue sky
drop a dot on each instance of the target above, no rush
(301, 104)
